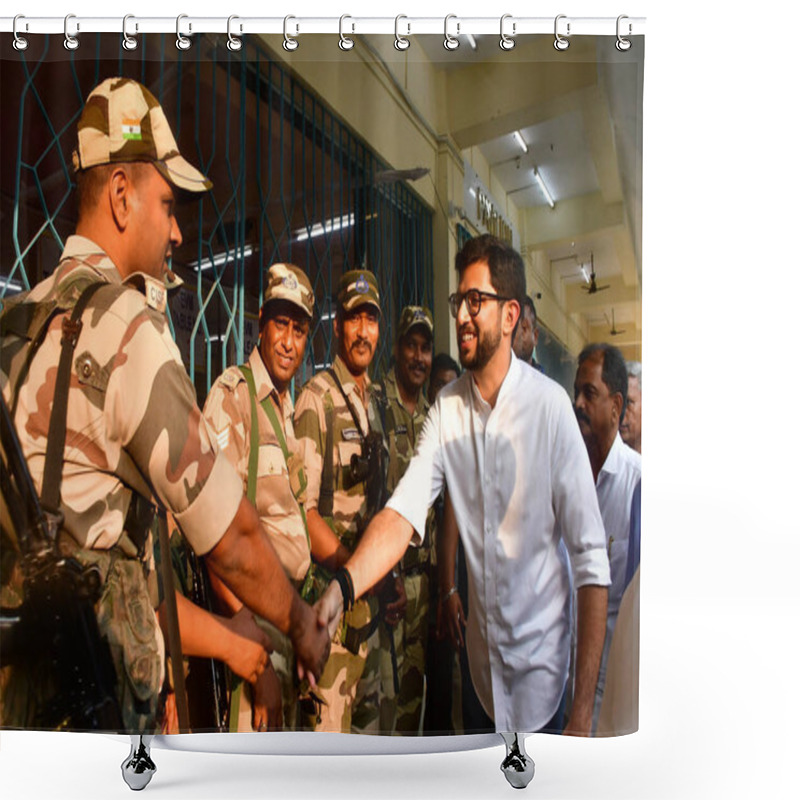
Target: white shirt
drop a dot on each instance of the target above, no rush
(616, 482)
(520, 480)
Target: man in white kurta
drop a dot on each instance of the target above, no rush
(505, 441)
(519, 479)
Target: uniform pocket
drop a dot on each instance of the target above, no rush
(271, 460)
(130, 624)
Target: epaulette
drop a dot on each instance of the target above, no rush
(320, 384)
(231, 378)
(154, 291)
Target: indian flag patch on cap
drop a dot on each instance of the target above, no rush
(132, 130)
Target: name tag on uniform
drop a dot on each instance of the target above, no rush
(156, 294)
(401, 430)
(350, 434)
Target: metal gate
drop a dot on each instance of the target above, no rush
(291, 183)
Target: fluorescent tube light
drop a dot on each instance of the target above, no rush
(321, 228)
(221, 259)
(547, 194)
(9, 285)
(520, 141)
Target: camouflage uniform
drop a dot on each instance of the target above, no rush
(227, 411)
(319, 405)
(400, 434)
(122, 436)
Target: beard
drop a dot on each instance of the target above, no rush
(488, 344)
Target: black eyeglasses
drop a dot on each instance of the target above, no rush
(474, 298)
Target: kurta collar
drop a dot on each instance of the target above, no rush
(506, 387)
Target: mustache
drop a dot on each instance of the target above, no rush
(581, 415)
(362, 343)
(467, 328)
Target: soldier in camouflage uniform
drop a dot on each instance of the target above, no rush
(124, 438)
(401, 406)
(279, 488)
(331, 434)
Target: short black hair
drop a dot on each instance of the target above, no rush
(615, 372)
(443, 362)
(528, 303)
(90, 183)
(506, 267)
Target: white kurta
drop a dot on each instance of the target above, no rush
(520, 480)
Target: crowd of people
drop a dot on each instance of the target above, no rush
(434, 551)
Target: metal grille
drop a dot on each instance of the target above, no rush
(291, 183)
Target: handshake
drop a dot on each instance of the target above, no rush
(312, 628)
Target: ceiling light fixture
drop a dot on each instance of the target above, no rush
(10, 286)
(544, 189)
(321, 228)
(221, 259)
(520, 141)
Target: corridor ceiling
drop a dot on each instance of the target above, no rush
(579, 114)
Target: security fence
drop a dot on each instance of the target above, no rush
(291, 183)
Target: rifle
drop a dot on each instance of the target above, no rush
(207, 675)
(53, 636)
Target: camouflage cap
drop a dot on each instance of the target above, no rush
(121, 123)
(357, 287)
(411, 317)
(288, 282)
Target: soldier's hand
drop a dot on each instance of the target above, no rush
(312, 643)
(451, 620)
(244, 624)
(329, 608)
(247, 653)
(267, 704)
(395, 610)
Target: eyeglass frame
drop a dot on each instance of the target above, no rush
(455, 307)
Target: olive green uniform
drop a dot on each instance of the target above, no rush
(401, 430)
(328, 438)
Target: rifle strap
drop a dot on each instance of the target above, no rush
(349, 405)
(252, 460)
(173, 626)
(252, 464)
(57, 433)
(325, 506)
(326, 490)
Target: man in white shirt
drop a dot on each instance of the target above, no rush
(504, 439)
(601, 389)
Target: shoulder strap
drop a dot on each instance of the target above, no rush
(252, 464)
(19, 318)
(381, 401)
(347, 403)
(325, 503)
(252, 461)
(57, 433)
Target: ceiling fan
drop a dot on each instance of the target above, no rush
(592, 288)
(613, 331)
